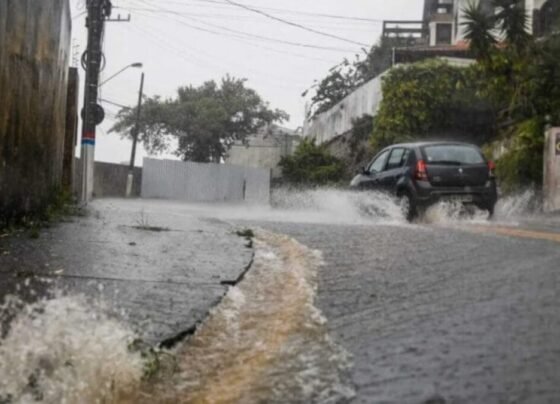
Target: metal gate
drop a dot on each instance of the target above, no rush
(197, 182)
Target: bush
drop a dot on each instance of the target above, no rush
(432, 98)
(312, 165)
(522, 165)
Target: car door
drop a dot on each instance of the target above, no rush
(394, 169)
(374, 171)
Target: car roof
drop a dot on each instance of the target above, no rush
(431, 143)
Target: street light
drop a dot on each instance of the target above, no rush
(135, 133)
(135, 65)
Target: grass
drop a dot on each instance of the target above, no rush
(142, 223)
(60, 208)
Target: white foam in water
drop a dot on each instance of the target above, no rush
(509, 210)
(65, 350)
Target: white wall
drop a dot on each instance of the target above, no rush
(263, 152)
(552, 171)
(338, 120)
(196, 182)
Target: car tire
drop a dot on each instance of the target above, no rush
(407, 206)
(490, 210)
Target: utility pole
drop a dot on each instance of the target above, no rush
(135, 133)
(98, 12)
(92, 113)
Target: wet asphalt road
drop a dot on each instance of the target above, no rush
(434, 313)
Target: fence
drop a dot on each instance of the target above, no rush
(109, 180)
(196, 182)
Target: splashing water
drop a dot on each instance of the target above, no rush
(64, 350)
(265, 342)
(347, 206)
(509, 210)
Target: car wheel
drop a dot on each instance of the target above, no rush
(406, 203)
(490, 210)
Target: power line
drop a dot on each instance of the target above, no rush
(246, 34)
(294, 24)
(219, 67)
(249, 42)
(281, 10)
(345, 25)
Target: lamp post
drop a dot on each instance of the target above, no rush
(135, 133)
(134, 65)
(88, 132)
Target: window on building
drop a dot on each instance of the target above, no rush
(443, 34)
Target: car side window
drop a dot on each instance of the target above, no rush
(378, 164)
(396, 159)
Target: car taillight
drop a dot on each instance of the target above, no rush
(491, 168)
(421, 173)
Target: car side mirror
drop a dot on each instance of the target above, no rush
(364, 171)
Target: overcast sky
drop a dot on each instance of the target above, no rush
(182, 42)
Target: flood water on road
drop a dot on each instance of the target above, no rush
(266, 341)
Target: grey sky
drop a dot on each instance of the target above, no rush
(162, 36)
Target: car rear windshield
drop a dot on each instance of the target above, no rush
(452, 154)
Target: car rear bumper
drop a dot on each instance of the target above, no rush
(483, 196)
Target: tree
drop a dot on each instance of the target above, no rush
(345, 77)
(312, 165)
(204, 120)
(512, 20)
(478, 29)
(521, 78)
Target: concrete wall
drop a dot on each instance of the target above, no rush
(195, 182)
(34, 52)
(109, 180)
(551, 189)
(338, 120)
(263, 152)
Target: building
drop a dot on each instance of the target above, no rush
(441, 33)
(265, 149)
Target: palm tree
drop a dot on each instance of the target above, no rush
(478, 29)
(513, 22)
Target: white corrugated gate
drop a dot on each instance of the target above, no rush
(197, 182)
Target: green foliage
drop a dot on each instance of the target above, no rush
(361, 131)
(312, 165)
(478, 27)
(59, 205)
(522, 165)
(428, 99)
(522, 80)
(204, 120)
(347, 76)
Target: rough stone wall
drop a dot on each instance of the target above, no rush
(34, 52)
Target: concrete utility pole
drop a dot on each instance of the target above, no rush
(92, 113)
(135, 133)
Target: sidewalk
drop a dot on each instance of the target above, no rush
(155, 265)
